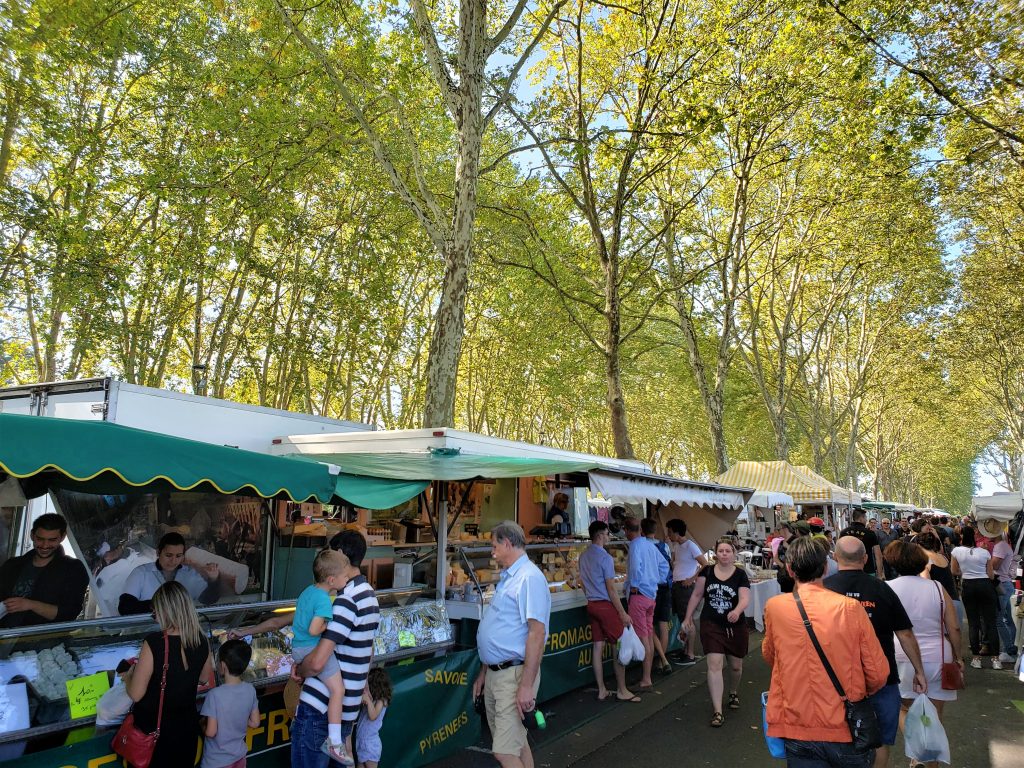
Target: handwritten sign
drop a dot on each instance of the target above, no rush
(85, 692)
(13, 707)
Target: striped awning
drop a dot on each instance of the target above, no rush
(801, 483)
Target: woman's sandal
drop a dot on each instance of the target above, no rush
(734, 701)
(718, 720)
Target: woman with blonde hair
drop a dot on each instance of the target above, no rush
(188, 665)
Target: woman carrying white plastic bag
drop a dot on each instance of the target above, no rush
(924, 737)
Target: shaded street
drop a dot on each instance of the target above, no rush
(670, 727)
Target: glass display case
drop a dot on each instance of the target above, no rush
(36, 662)
(475, 574)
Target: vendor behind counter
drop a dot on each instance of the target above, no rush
(203, 585)
(44, 584)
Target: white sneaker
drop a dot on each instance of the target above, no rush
(997, 664)
(976, 662)
(1007, 658)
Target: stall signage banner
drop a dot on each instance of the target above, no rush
(431, 714)
(566, 665)
(85, 692)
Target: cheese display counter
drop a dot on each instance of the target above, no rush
(474, 575)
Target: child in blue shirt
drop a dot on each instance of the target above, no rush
(313, 612)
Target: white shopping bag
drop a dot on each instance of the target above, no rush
(631, 647)
(113, 705)
(925, 738)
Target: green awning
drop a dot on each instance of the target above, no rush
(377, 492)
(444, 466)
(100, 457)
(884, 505)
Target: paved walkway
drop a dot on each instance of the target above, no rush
(669, 729)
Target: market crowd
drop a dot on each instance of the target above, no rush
(867, 626)
(881, 608)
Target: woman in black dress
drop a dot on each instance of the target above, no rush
(725, 590)
(188, 665)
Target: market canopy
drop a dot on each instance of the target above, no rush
(801, 483)
(100, 457)
(667, 490)
(437, 465)
(770, 499)
(1001, 506)
(881, 506)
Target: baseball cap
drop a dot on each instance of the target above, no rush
(816, 522)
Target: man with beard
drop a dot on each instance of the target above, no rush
(43, 585)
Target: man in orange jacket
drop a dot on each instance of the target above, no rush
(803, 706)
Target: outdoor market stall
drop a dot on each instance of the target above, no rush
(801, 483)
(120, 490)
(518, 481)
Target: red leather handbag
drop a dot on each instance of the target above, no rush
(131, 743)
(952, 674)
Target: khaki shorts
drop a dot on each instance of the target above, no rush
(502, 716)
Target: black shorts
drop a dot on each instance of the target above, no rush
(681, 594)
(733, 640)
(663, 604)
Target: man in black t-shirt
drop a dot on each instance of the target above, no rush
(888, 617)
(43, 585)
(873, 565)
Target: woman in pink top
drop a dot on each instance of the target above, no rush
(929, 606)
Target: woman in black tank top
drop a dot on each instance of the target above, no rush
(938, 563)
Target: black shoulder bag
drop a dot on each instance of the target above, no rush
(860, 715)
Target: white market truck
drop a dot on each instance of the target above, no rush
(194, 417)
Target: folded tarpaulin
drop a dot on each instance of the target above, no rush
(438, 465)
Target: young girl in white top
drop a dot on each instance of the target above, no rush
(981, 601)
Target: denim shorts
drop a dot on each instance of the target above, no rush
(886, 703)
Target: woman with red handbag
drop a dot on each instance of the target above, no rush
(936, 628)
(171, 712)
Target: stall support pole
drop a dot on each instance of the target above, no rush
(441, 510)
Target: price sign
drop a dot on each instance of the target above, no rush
(85, 692)
(406, 639)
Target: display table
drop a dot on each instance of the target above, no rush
(760, 591)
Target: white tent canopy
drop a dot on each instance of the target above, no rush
(666, 490)
(1000, 506)
(770, 499)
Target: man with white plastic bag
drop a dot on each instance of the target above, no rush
(605, 611)
(923, 736)
(631, 648)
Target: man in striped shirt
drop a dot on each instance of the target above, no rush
(349, 636)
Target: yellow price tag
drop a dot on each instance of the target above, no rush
(406, 639)
(85, 692)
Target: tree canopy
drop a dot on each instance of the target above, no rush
(690, 231)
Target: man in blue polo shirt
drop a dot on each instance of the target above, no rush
(510, 642)
(641, 590)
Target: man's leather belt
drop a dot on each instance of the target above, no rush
(504, 665)
(635, 591)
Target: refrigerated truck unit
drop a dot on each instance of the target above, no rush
(194, 417)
